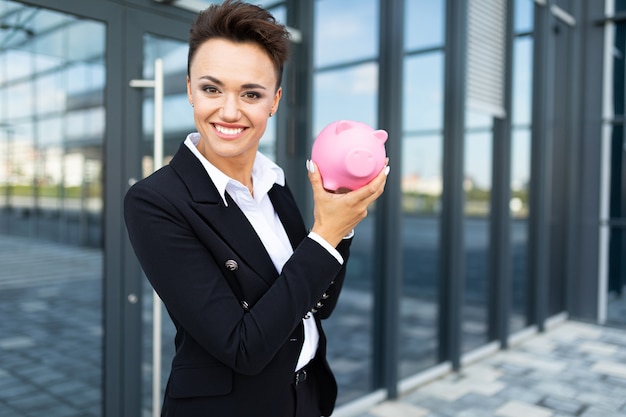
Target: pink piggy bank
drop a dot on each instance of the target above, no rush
(349, 154)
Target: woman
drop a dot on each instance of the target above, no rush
(221, 240)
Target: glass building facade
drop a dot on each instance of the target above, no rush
(505, 208)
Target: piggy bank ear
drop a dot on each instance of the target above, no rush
(381, 135)
(342, 126)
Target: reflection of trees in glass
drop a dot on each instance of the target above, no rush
(476, 203)
(420, 203)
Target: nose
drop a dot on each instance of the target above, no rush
(230, 108)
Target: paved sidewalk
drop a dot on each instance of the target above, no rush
(575, 369)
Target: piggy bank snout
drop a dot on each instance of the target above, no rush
(360, 162)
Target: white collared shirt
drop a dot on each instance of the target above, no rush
(261, 214)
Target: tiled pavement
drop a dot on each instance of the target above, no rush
(575, 369)
(50, 330)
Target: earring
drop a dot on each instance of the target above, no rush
(191, 104)
(271, 114)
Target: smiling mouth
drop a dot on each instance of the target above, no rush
(231, 131)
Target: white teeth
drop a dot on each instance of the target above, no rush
(227, 130)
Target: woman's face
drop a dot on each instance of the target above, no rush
(232, 87)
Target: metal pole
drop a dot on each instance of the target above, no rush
(157, 316)
(452, 240)
(500, 259)
(157, 157)
(387, 267)
(540, 192)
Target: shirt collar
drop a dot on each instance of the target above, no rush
(265, 173)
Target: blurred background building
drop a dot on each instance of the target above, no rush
(505, 209)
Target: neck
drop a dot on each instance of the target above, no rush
(237, 167)
(250, 187)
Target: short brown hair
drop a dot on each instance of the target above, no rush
(237, 21)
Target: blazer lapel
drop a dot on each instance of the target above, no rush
(288, 213)
(228, 222)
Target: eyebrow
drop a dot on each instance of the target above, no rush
(220, 83)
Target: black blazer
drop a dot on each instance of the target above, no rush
(205, 261)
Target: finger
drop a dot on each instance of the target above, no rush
(314, 176)
(377, 186)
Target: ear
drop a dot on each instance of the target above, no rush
(276, 101)
(343, 125)
(381, 135)
(189, 95)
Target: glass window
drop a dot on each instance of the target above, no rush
(50, 130)
(276, 7)
(21, 100)
(421, 203)
(519, 226)
(477, 187)
(616, 284)
(54, 98)
(520, 172)
(21, 65)
(177, 113)
(348, 93)
(423, 92)
(45, 20)
(616, 305)
(85, 78)
(20, 176)
(44, 63)
(524, 15)
(421, 185)
(520, 178)
(83, 123)
(522, 81)
(279, 12)
(50, 96)
(51, 211)
(345, 31)
(424, 24)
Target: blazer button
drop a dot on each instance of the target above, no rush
(231, 265)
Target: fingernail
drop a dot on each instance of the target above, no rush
(311, 167)
(307, 164)
(387, 169)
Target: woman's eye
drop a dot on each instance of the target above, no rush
(252, 95)
(210, 89)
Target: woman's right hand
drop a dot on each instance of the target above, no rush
(336, 214)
